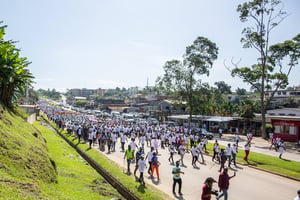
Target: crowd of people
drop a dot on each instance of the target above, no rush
(136, 138)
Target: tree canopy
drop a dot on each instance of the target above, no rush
(270, 71)
(181, 78)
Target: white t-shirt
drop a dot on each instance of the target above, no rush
(142, 165)
(150, 155)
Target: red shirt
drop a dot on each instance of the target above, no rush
(223, 181)
(205, 190)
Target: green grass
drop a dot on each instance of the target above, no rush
(35, 163)
(147, 192)
(270, 163)
(24, 158)
(76, 179)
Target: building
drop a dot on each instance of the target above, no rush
(286, 123)
(282, 97)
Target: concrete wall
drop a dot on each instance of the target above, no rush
(32, 110)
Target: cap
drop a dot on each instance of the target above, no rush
(210, 179)
(298, 191)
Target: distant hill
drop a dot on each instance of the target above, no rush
(24, 159)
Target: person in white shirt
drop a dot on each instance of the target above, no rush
(281, 148)
(149, 156)
(233, 154)
(194, 155)
(142, 166)
(123, 140)
(181, 150)
(114, 141)
(142, 140)
(200, 151)
(298, 196)
(237, 139)
(171, 149)
(228, 154)
(90, 138)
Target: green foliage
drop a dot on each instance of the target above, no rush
(50, 94)
(181, 77)
(223, 87)
(247, 109)
(269, 128)
(14, 77)
(81, 103)
(269, 73)
(241, 91)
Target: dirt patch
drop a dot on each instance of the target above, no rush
(101, 186)
(25, 188)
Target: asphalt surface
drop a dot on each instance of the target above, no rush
(249, 183)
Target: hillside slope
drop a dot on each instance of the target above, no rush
(24, 159)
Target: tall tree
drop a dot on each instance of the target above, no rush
(265, 15)
(182, 77)
(14, 77)
(223, 87)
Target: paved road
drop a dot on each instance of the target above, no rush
(249, 184)
(260, 145)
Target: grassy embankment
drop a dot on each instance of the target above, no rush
(147, 192)
(270, 163)
(43, 166)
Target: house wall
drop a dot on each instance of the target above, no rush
(287, 130)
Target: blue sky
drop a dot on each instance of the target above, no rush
(117, 43)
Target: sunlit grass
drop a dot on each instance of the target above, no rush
(270, 163)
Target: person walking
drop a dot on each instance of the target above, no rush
(247, 150)
(154, 165)
(138, 155)
(128, 156)
(207, 190)
(181, 150)
(281, 148)
(171, 148)
(176, 171)
(223, 159)
(194, 155)
(149, 156)
(90, 138)
(79, 133)
(228, 153)
(142, 166)
(298, 196)
(237, 139)
(216, 152)
(123, 139)
(233, 153)
(200, 151)
(223, 183)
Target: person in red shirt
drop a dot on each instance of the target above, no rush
(223, 183)
(207, 189)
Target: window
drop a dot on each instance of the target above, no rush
(291, 130)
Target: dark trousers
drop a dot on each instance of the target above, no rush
(179, 181)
